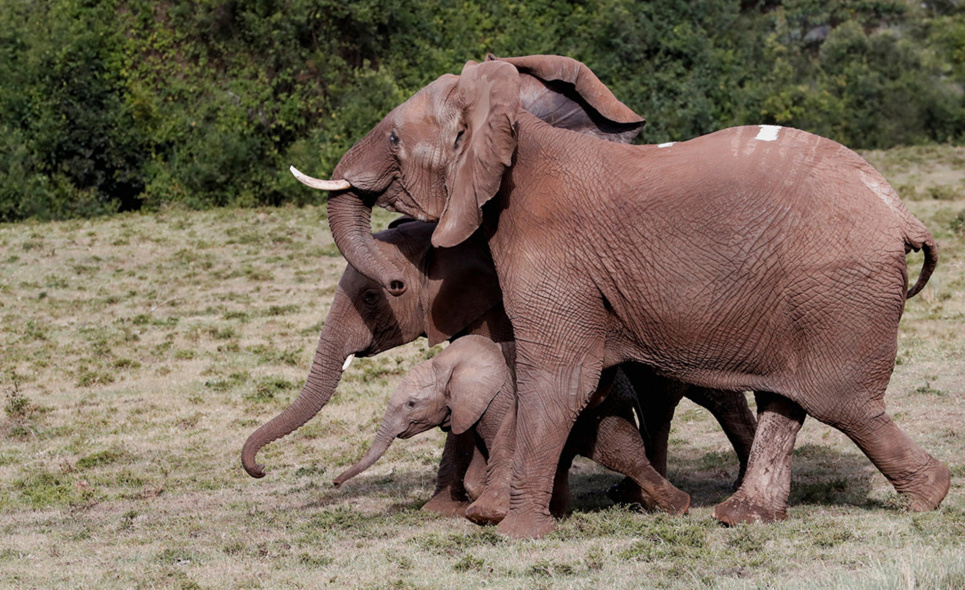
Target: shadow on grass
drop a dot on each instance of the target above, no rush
(820, 476)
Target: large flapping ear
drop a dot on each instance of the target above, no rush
(485, 100)
(462, 286)
(565, 93)
(479, 372)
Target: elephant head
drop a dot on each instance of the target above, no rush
(441, 155)
(452, 389)
(451, 288)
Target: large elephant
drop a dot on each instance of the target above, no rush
(755, 258)
(453, 292)
(470, 387)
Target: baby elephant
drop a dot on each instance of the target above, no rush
(470, 385)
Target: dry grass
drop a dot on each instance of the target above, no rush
(140, 351)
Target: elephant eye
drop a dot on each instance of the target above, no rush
(393, 138)
(370, 297)
(411, 404)
(459, 138)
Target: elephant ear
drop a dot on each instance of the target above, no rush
(479, 372)
(462, 286)
(565, 93)
(485, 99)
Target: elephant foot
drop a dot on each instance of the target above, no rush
(446, 506)
(489, 508)
(675, 501)
(628, 492)
(671, 499)
(737, 510)
(930, 489)
(526, 525)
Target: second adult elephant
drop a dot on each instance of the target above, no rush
(755, 258)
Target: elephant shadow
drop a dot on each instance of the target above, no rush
(821, 475)
(406, 490)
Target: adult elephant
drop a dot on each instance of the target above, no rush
(754, 258)
(453, 292)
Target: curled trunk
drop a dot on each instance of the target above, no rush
(321, 383)
(350, 220)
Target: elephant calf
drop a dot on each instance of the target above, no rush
(471, 386)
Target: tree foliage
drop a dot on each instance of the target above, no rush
(125, 104)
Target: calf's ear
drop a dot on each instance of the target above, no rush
(479, 372)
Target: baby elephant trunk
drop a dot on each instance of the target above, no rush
(382, 442)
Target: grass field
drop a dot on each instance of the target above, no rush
(138, 353)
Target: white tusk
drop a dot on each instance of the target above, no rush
(348, 361)
(325, 185)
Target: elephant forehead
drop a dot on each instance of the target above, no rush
(429, 106)
(419, 384)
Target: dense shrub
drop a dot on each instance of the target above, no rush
(125, 104)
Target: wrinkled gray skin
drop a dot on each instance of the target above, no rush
(755, 258)
(451, 292)
(470, 387)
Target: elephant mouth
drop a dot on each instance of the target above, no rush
(446, 426)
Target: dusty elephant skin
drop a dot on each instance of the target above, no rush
(452, 292)
(469, 387)
(755, 258)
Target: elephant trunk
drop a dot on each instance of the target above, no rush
(325, 374)
(350, 220)
(381, 444)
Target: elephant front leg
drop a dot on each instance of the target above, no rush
(450, 496)
(492, 505)
(658, 398)
(548, 405)
(762, 497)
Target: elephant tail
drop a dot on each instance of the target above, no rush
(925, 243)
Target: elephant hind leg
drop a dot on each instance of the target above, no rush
(731, 411)
(762, 496)
(913, 472)
(613, 441)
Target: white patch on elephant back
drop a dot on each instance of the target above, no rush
(768, 133)
(666, 145)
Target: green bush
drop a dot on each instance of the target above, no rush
(116, 105)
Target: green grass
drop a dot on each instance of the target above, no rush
(141, 350)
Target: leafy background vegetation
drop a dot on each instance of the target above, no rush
(121, 105)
